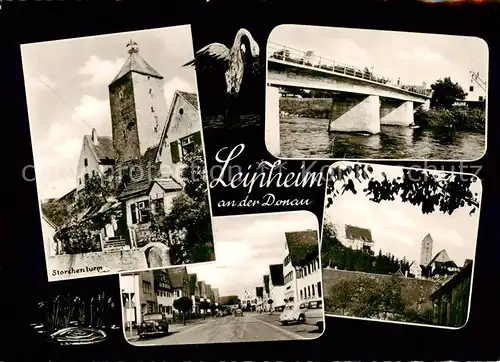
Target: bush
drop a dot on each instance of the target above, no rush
(307, 107)
(457, 118)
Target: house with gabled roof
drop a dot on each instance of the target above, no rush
(97, 158)
(175, 284)
(301, 266)
(440, 265)
(354, 237)
(181, 134)
(277, 286)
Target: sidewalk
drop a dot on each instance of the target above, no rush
(172, 327)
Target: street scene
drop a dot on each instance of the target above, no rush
(403, 249)
(265, 285)
(251, 326)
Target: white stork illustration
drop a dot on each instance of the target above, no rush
(233, 62)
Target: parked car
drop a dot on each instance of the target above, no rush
(153, 324)
(238, 312)
(315, 314)
(293, 313)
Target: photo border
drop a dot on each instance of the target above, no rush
(471, 288)
(107, 273)
(486, 111)
(214, 263)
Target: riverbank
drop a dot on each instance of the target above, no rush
(457, 118)
(306, 107)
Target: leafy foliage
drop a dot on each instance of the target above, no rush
(454, 119)
(445, 192)
(303, 247)
(366, 298)
(334, 254)
(183, 304)
(445, 93)
(189, 222)
(232, 300)
(57, 211)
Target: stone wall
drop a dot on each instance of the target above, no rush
(69, 266)
(416, 292)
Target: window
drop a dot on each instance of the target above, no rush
(140, 212)
(481, 99)
(86, 177)
(151, 307)
(152, 109)
(312, 289)
(187, 145)
(308, 291)
(471, 88)
(181, 111)
(150, 91)
(318, 286)
(93, 173)
(85, 162)
(120, 94)
(146, 286)
(79, 181)
(301, 295)
(309, 269)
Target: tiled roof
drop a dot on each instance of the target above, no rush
(302, 246)
(416, 292)
(177, 276)
(277, 277)
(103, 149)
(135, 63)
(192, 98)
(354, 232)
(143, 171)
(266, 283)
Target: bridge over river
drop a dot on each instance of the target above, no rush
(361, 101)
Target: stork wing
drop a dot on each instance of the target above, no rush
(214, 55)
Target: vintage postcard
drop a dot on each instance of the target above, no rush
(266, 285)
(369, 94)
(398, 244)
(118, 152)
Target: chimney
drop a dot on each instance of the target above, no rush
(94, 136)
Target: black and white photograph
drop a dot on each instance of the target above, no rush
(337, 93)
(398, 244)
(77, 313)
(118, 152)
(265, 285)
(229, 71)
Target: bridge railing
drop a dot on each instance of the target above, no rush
(309, 59)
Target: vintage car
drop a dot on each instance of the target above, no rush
(238, 312)
(315, 314)
(293, 313)
(153, 324)
(307, 312)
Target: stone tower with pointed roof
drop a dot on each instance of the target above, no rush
(138, 107)
(426, 250)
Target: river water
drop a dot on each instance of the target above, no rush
(309, 138)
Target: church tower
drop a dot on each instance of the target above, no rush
(138, 107)
(426, 250)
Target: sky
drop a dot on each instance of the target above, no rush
(398, 228)
(413, 57)
(66, 85)
(245, 246)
